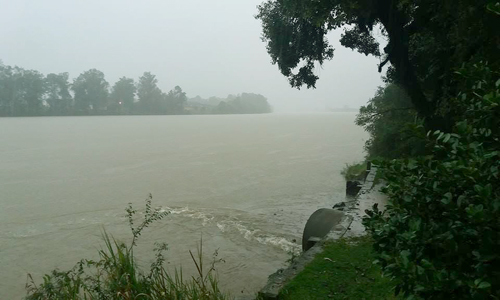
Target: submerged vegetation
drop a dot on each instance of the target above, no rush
(115, 275)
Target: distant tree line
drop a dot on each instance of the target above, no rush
(245, 103)
(30, 93)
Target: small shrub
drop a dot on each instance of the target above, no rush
(354, 171)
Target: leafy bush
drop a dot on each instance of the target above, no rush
(355, 171)
(116, 275)
(440, 234)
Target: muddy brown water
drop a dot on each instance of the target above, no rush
(245, 184)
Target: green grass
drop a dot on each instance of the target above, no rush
(344, 270)
(354, 171)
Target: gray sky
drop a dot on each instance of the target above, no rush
(209, 48)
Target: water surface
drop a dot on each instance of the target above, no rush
(245, 184)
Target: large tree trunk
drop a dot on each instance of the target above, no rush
(397, 51)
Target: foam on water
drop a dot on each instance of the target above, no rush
(259, 236)
(226, 225)
(189, 213)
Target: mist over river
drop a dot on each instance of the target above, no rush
(245, 184)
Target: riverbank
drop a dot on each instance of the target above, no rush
(344, 270)
(311, 276)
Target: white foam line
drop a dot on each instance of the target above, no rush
(257, 235)
(186, 212)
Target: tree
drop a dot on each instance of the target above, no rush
(253, 103)
(427, 40)
(175, 101)
(214, 101)
(10, 90)
(246, 103)
(439, 235)
(149, 94)
(58, 97)
(123, 94)
(222, 108)
(21, 91)
(91, 91)
(33, 90)
(389, 118)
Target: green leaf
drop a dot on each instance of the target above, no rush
(491, 154)
(420, 270)
(440, 136)
(487, 190)
(483, 285)
(447, 198)
(404, 257)
(494, 8)
(496, 205)
(412, 164)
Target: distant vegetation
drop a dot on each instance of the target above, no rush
(30, 93)
(245, 103)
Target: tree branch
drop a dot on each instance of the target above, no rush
(383, 63)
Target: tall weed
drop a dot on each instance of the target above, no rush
(115, 275)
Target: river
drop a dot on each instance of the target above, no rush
(244, 184)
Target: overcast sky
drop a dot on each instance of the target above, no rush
(209, 48)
